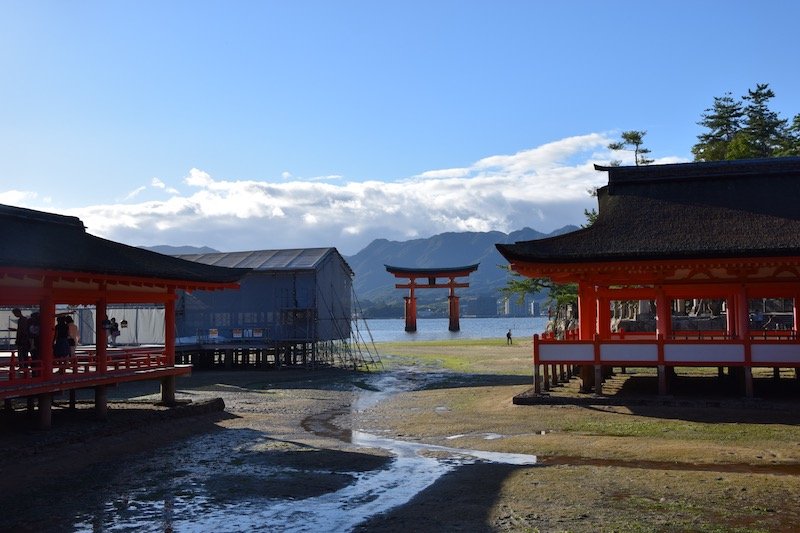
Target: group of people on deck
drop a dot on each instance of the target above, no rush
(27, 339)
(65, 336)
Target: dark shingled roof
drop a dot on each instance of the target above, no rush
(429, 271)
(726, 209)
(46, 241)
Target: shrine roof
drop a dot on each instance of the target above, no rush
(726, 209)
(37, 240)
(431, 271)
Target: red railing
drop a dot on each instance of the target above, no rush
(714, 349)
(570, 334)
(122, 360)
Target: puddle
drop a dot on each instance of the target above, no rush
(453, 456)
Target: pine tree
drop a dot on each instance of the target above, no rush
(765, 129)
(632, 140)
(746, 129)
(790, 144)
(724, 121)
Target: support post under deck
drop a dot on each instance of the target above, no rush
(168, 388)
(45, 410)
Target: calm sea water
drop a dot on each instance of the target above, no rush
(428, 329)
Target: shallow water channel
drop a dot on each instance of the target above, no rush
(236, 479)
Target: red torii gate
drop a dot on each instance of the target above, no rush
(430, 275)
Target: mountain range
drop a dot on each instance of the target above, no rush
(373, 283)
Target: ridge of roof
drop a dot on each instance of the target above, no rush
(33, 215)
(700, 169)
(39, 240)
(679, 213)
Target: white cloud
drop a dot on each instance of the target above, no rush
(444, 173)
(198, 178)
(544, 188)
(134, 193)
(18, 198)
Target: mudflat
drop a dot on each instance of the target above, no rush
(691, 462)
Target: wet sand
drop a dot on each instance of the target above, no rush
(286, 436)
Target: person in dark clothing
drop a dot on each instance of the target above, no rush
(114, 330)
(106, 330)
(508, 338)
(23, 340)
(61, 338)
(74, 335)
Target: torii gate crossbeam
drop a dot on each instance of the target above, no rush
(430, 276)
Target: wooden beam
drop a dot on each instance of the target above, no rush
(434, 286)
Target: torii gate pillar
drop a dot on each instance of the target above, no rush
(425, 278)
(454, 312)
(411, 312)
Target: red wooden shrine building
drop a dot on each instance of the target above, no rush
(670, 235)
(47, 262)
(427, 278)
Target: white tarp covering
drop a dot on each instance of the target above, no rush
(145, 324)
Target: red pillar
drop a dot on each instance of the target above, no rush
(731, 315)
(742, 314)
(100, 337)
(454, 309)
(411, 308)
(587, 324)
(587, 311)
(743, 323)
(604, 318)
(663, 314)
(169, 328)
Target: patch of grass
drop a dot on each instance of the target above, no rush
(475, 356)
(625, 426)
(448, 342)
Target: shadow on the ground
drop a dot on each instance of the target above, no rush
(230, 380)
(461, 500)
(713, 387)
(690, 397)
(19, 428)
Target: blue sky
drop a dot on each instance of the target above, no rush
(249, 125)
